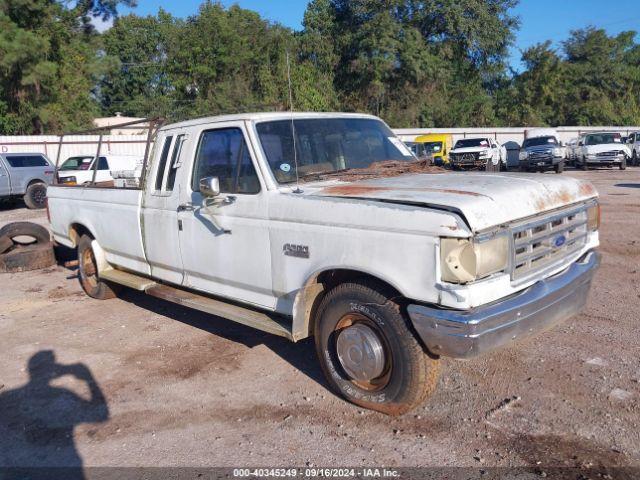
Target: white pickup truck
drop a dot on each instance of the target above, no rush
(325, 225)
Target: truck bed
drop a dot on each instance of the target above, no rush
(111, 215)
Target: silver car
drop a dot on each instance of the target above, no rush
(25, 175)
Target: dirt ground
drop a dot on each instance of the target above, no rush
(140, 382)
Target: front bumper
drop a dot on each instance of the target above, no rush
(604, 160)
(543, 162)
(469, 333)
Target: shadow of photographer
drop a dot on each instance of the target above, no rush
(37, 420)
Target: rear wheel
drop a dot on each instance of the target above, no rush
(88, 272)
(368, 352)
(36, 195)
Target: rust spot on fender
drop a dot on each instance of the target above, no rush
(453, 228)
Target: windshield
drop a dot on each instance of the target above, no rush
(602, 138)
(472, 142)
(326, 145)
(77, 163)
(539, 141)
(432, 147)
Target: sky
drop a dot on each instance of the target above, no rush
(540, 19)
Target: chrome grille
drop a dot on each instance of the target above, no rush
(545, 243)
(612, 153)
(540, 154)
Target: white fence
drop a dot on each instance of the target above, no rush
(135, 144)
(74, 145)
(507, 134)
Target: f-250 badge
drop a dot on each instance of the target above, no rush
(299, 251)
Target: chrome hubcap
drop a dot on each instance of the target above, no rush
(360, 352)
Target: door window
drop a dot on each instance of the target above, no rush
(223, 153)
(103, 164)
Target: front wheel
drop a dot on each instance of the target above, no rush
(559, 167)
(88, 272)
(623, 163)
(583, 165)
(368, 352)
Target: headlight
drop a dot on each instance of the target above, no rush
(523, 155)
(484, 153)
(464, 261)
(593, 217)
(557, 152)
(68, 180)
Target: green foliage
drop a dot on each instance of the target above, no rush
(48, 60)
(435, 63)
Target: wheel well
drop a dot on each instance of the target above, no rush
(34, 181)
(332, 278)
(76, 231)
(311, 295)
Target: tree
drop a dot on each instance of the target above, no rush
(47, 62)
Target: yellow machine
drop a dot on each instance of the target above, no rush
(438, 145)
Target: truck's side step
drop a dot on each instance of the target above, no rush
(127, 279)
(245, 316)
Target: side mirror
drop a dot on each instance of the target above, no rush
(210, 186)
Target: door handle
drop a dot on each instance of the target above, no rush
(186, 207)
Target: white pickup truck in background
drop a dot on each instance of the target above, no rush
(325, 225)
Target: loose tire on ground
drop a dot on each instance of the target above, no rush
(27, 258)
(26, 229)
(405, 377)
(88, 273)
(5, 244)
(36, 195)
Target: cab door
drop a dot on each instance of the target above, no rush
(224, 240)
(5, 184)
(160, 208)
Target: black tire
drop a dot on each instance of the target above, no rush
(634, 158)
(26, 229)
(5, 244)
(35, 198)
(409, 374)
(88, 273)
(623, 164)
(559, 167)
(31, 257)
(583, 165)
(490, 167)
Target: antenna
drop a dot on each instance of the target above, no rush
(293, 127)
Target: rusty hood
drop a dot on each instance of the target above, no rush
(485, 200)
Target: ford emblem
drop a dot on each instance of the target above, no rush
(559, 241)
